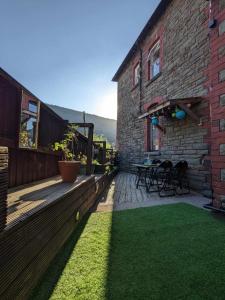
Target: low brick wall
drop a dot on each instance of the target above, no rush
(3, 185)
(28, 247)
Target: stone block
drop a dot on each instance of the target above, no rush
(222, 100)
(221, 4)
(222, 149)
(222, 125)
(222, 174)
(222, 27)
(222, 76)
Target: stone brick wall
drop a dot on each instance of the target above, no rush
(3, 185)
(186, 55)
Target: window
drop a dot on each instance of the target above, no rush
(28, 124)
(154, 138)
(32, 106)
(154, 61)
(137, 70)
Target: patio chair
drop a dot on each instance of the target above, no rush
(179, 178)
(151, 178)
(163, 178)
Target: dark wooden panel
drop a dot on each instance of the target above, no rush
(26, 166)
(51, 127)
(10, 100)
(3, 185)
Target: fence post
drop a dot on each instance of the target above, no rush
(3, 186)
(89, 148)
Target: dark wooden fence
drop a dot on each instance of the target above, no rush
(10, 101)
(28, 165)
(51, 127)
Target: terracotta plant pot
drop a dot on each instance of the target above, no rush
(69, 170)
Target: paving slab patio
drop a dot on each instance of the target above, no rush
(122, 194)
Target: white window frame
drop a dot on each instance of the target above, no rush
(154, 66)
(137, 70)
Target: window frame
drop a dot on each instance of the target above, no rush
(35, 115)
(137, 66)
(151, 140)
(156, 45)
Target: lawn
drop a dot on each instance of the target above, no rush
(164, 252)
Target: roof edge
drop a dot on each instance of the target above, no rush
(159, 11)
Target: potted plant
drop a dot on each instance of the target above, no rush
(68, 167)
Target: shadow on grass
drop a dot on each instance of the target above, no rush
(45, 287)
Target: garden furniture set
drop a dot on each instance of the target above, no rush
(163, 177)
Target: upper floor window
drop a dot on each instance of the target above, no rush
(136, 78)
(32, 106)
(29, 123)
(154, 60)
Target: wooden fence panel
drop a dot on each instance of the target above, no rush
(26, 166)
(10, 101)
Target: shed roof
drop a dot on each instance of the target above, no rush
(150, 24)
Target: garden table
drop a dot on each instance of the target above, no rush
(143, 173)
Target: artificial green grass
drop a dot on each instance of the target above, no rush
(164, 252)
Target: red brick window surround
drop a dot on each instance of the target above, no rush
(154, 60)
(136, 74)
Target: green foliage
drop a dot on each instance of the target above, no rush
(83, 159)
(67, 145)
(100, 138)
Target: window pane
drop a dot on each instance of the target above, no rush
(156, 67)
(33, 106)
(154, 136)
(28, 130)
(136, 74)
(154, 61)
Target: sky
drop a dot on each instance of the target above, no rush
(67, 51)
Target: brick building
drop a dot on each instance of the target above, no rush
(177, 63)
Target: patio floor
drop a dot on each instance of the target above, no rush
(122, 194)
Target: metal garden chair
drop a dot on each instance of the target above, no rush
(163, 178)
(179, 178)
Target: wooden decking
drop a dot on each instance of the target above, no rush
(123, 194)
(27, 199)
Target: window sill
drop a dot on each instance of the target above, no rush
(134, 87)
(153, 79)
(153, 153)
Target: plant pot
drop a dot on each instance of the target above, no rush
(69, 170)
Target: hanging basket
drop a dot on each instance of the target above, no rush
(155, 121)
